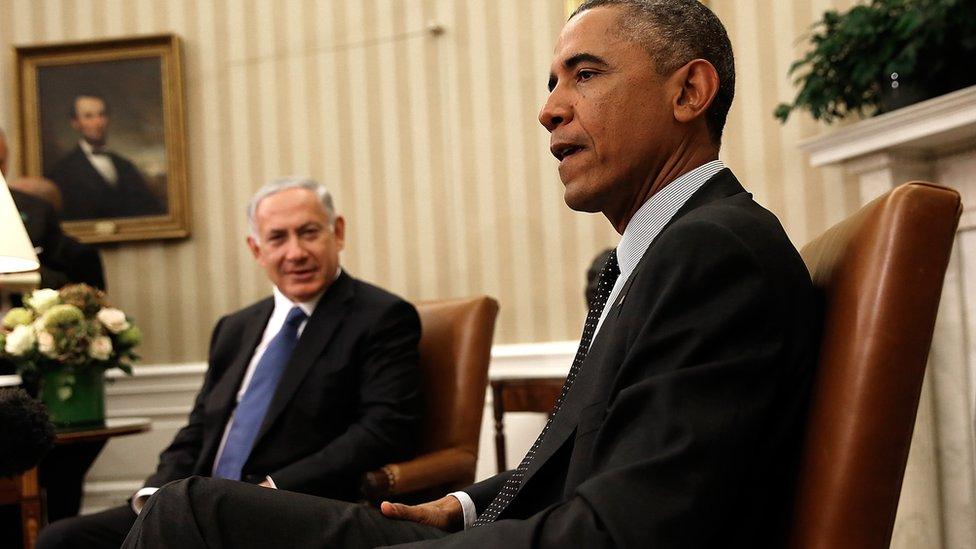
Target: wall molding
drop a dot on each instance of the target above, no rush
(945, 122)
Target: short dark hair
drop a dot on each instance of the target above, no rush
(73, 110)
(674, 32)
(25, 430)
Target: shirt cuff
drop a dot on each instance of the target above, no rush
(467, 507)
(140, 498)
(271, 482)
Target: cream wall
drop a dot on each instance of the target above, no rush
(430, 143)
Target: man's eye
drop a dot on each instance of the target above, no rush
(585, 74)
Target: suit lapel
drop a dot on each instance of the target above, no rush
(92, 175)
(327, 317)
(223, 399)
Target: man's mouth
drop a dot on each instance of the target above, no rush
(301, 273)
(564, 150)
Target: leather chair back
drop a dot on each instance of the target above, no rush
(881, 273)
(455, 349)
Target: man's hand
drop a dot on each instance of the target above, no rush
(444, 513)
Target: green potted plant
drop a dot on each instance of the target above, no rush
(65, 340)
(883, 55)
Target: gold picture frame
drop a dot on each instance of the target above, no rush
(105, 121)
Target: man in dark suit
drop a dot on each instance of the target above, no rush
(96, 183)
(306, 390)
(679, 421)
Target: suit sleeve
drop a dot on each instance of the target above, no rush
(692, 387)
(388, 417)
(177, 460)
(482, 493)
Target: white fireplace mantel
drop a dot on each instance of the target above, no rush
(937, 126)
(934, 141)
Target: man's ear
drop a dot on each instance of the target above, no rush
(339, 230)
(252, 245)
(698, 81)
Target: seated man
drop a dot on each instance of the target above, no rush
(679, 422)
(307, 389)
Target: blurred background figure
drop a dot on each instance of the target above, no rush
(63, 259)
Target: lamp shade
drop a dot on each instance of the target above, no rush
(16, 251)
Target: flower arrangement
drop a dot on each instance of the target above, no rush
(62, 341)
(72, 329)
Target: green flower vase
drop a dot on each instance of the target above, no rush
(74, 400)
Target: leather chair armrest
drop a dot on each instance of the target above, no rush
(451, 466)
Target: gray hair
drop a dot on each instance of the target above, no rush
(283, 184)
(675, 32)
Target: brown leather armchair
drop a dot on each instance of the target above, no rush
(881, 272)
(455, 348)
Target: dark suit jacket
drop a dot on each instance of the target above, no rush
(347, 402)
(63, 259)
(86, 195)
(682, 426)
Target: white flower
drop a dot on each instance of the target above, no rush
(20, 340)
(43, 299)
(100, 348)
(113, 319)
(45, 344)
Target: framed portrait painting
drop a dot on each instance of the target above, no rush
(104, 121)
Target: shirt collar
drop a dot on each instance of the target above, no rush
(654, 214)
(86, 147)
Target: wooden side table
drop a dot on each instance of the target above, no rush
(114, 427)
(23, 490)
(520, 394)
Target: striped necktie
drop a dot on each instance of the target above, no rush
(608, 276)
(254, 404)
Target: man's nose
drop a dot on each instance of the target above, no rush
(556, 111)
(295, 251)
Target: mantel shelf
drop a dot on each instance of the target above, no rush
(943, 124)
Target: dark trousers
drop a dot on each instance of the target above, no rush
(98, 530)
(204, 512)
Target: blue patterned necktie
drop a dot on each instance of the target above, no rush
(254, 404)
(608, 277)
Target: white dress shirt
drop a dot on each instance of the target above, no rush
(641, 230)
(281, 307)
(101, 162)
